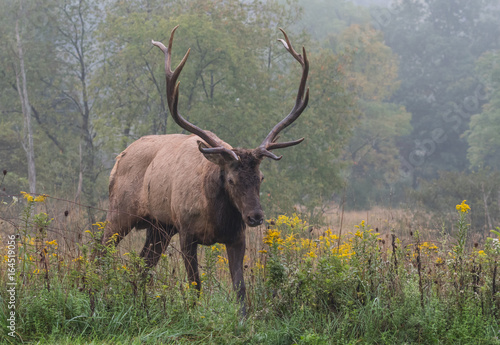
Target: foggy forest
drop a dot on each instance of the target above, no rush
(402, 131)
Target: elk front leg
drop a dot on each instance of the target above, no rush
(157, 240)
(189, 250)
(235, 255)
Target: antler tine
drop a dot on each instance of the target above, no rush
(301, 101)
(173, 99)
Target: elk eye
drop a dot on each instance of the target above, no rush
(261, 178)
(231, 181)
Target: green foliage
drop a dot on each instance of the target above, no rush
(329, 290)
(372, 150)
(438, 45)
(483, 139)
(325, 19)
(478, 188)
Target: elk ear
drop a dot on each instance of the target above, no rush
(217, 155)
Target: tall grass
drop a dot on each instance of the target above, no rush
(304, 286)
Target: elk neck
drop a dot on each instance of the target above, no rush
(225, 217)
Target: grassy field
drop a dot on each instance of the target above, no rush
(373, 277)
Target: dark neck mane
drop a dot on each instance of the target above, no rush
(226, 218)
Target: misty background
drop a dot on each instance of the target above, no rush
(404, 108)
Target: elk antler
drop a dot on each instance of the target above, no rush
(173, 99)
(269, 142)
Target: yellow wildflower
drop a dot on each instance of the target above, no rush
(27, 196)
(113, 238)
(463, 207)
(272, 236)
(221, 260)
(101, 225)
(40, 198)
(194, 283)
(52, 243)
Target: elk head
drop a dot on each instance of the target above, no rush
(240, 174)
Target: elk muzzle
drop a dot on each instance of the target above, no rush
(254, 218)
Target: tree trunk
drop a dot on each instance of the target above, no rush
(26, 109)
(486, 211)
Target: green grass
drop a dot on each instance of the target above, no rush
(301, 289)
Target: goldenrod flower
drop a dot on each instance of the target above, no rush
(463, 207)
(40, 198)
(113, 238)
(272, 236)
(52, 243)
(221, 260)
(259, 265)
(27, 196)
(101, 225)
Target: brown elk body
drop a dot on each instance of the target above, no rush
(195, 185)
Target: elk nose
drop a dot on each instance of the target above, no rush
(255, 219)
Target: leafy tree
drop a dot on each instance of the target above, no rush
(483, 136)
(309, 174)
(437, 42)
(325, 19)
(76, 22)
(372, 150)
(41, 66)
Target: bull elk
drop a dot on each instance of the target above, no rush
(195, 185)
